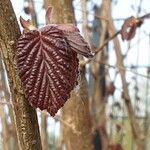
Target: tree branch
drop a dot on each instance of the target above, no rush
(25, 115)
(136, 130)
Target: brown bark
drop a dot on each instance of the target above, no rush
(136, 130)
(25, 115)
(75, 117)
(5, 89)
(76, 114)
(62, 12)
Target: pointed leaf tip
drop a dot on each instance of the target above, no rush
(26, 24)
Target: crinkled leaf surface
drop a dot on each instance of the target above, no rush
(75, 40)
(48, 66)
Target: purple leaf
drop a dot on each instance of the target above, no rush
(48, 66)
(75, 40)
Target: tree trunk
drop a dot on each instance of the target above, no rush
(25, 115)
(75, 116)
(62, 12)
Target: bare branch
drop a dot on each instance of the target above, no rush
(136, 130)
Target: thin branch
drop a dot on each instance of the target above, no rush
(124, 69)
(136, 130)
(5, 103)
(96, 16)
(83, 63)
(106, 42)
(146, 16)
